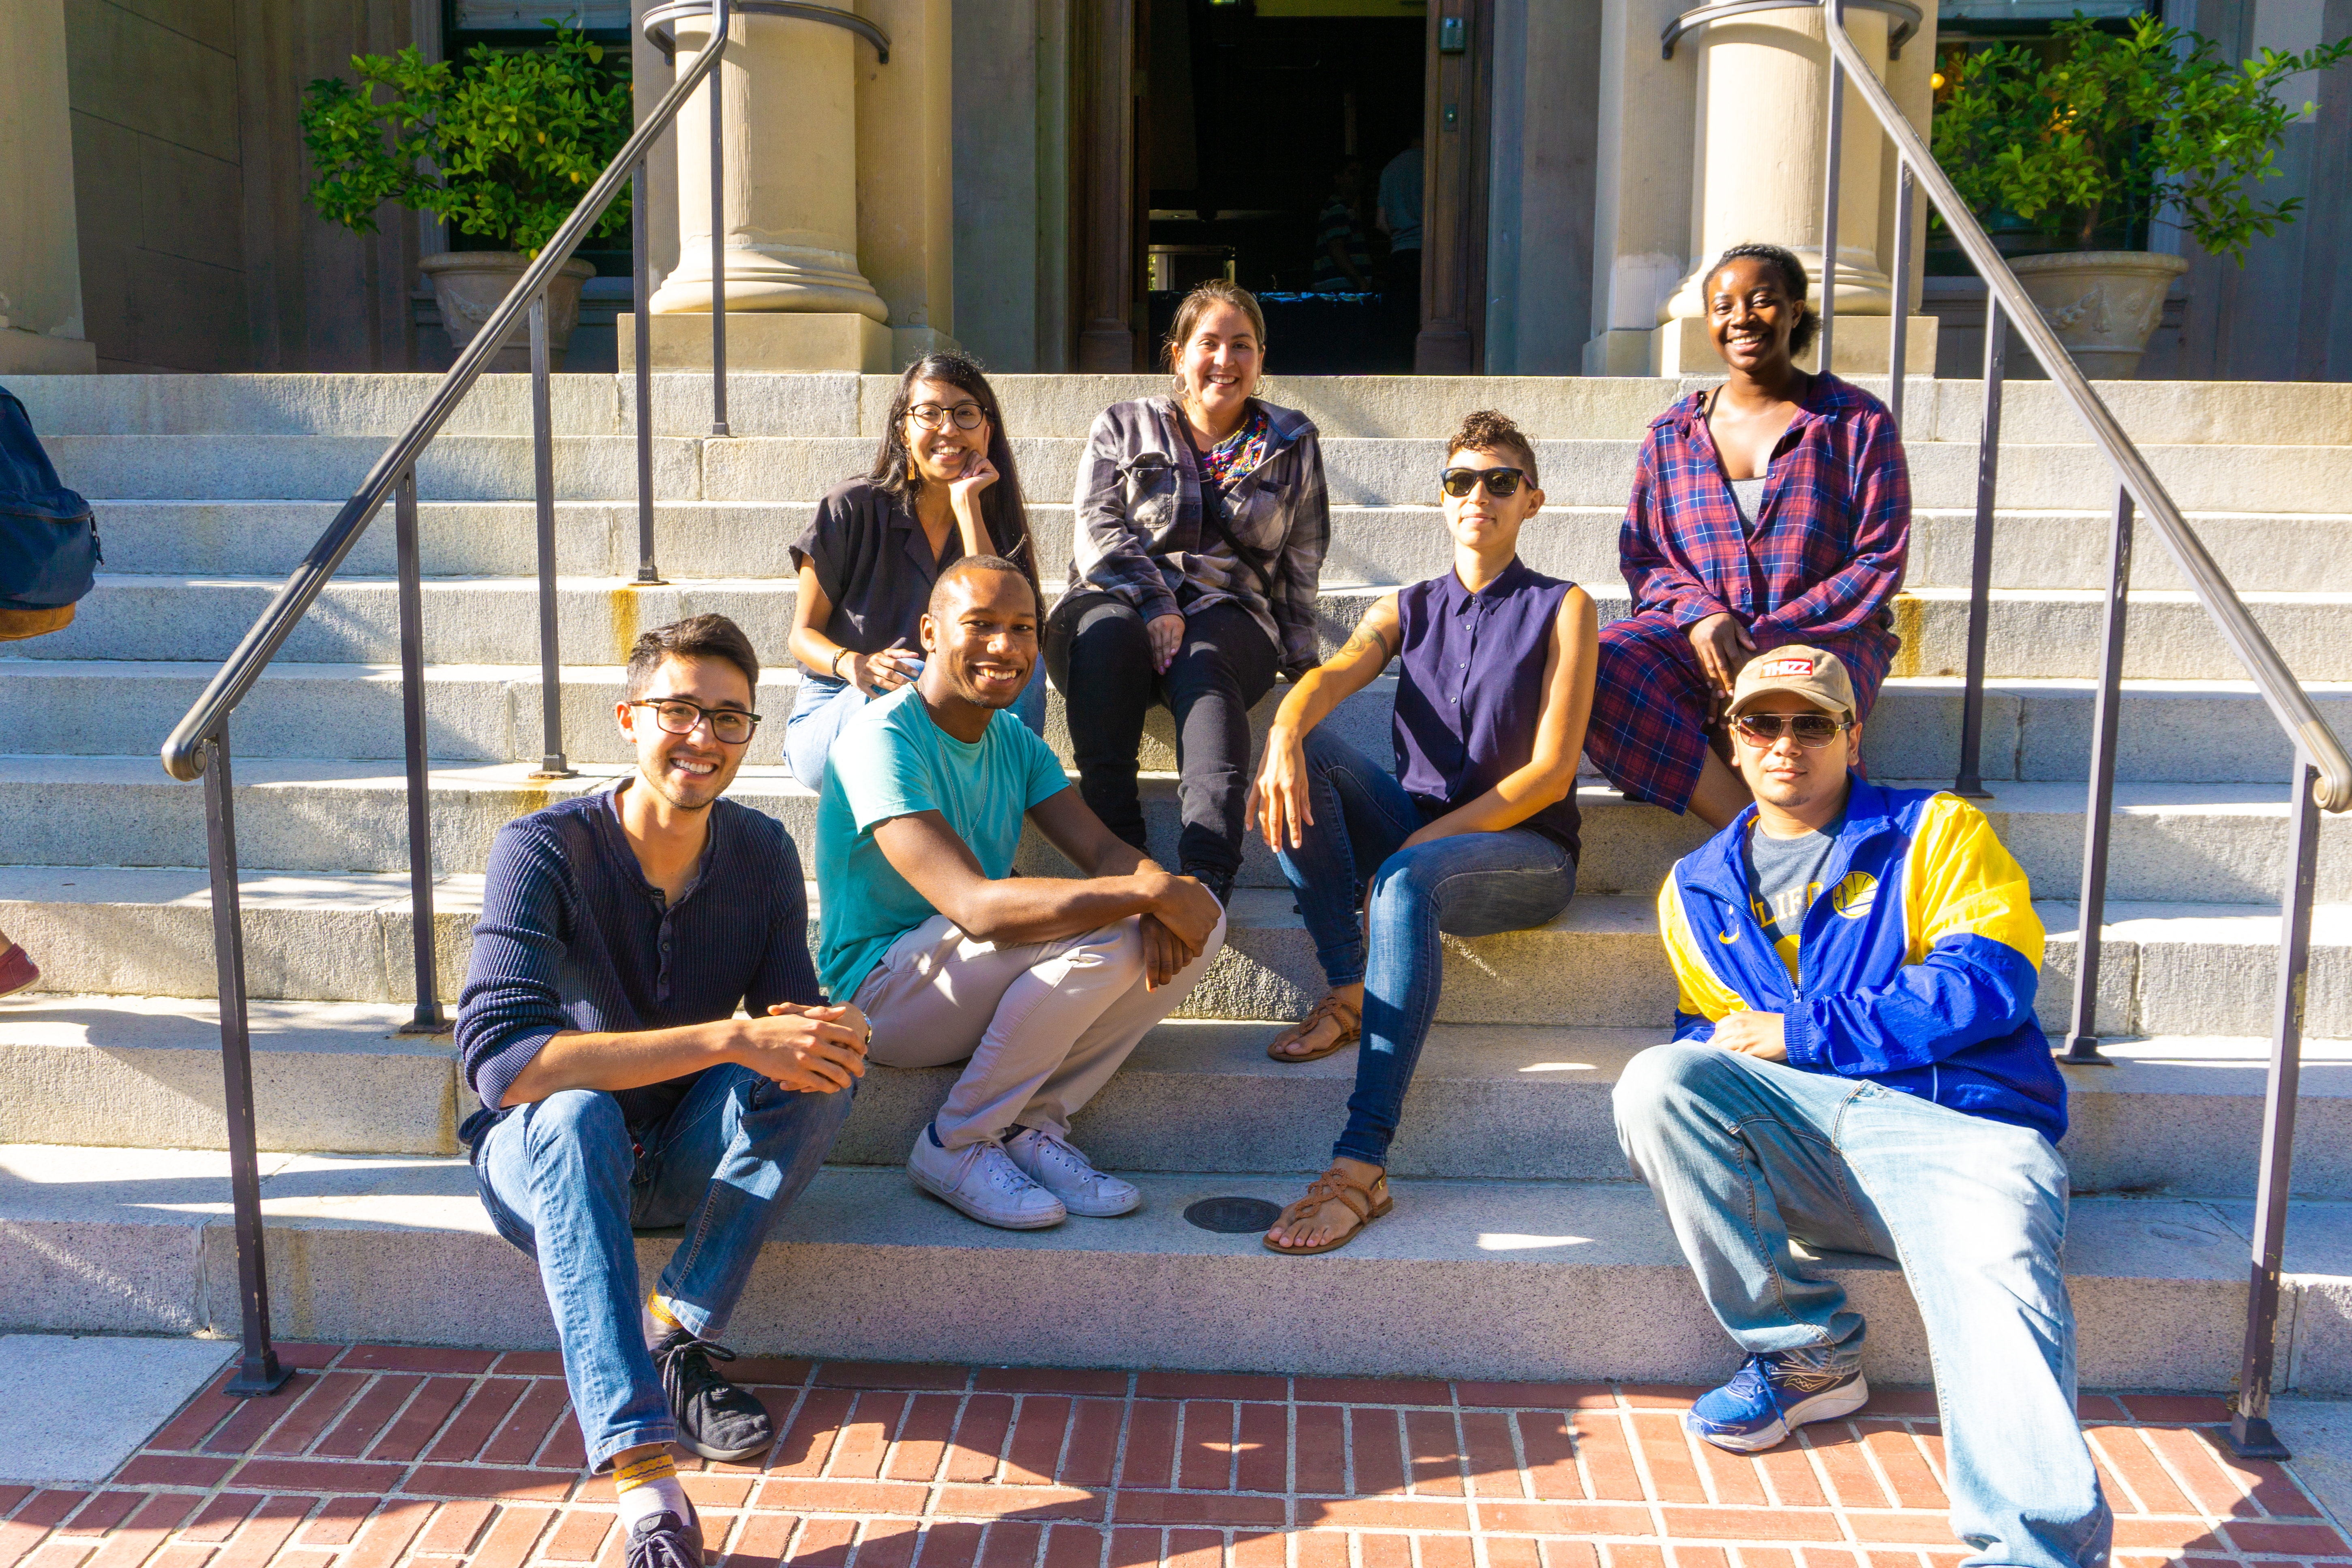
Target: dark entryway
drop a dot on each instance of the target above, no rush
(1268, 129)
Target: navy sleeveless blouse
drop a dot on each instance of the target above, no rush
(1472, 690)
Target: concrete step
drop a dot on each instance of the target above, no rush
(768, 403)
(2188, 731)
(2177, 1116)
(2035, 634)
(1573, 1279)
(2193, 842)
(2257, 551)
(1357, 470)
(2166, 968)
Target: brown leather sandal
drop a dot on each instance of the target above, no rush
(1334, 1006)
(1335, 1183)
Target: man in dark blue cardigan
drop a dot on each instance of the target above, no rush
(619, 933)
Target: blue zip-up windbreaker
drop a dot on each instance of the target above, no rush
(1916, 967)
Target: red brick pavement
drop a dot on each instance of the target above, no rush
(381, 1456)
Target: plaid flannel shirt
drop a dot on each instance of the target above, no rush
(1140, 533)
(1826, 553)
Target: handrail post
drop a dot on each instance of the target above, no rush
(2083, 1037)
(1898, 333)
(717, 230)
(1836, 12)
(428, 1019)
(1970, 783)
(258, 1370)
(640, 248)
(552, 763)
(2250, 1432)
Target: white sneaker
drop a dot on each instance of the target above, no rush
(1062, 1171)
(980, 1181)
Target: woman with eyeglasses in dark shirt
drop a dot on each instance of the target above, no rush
(943, 487)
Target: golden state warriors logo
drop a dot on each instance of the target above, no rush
(1853, 897)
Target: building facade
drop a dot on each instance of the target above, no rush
(1034, 180)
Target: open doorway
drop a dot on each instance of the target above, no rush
(1281, 147)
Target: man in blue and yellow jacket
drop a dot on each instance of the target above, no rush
(1856, 1068)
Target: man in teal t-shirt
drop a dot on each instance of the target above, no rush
(1045, 982)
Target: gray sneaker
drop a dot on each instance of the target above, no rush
(1054, 1164)
(980, 1181)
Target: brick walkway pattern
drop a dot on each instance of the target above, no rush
(383, 1457)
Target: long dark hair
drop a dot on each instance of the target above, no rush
(1000, 504)
(1792, 272)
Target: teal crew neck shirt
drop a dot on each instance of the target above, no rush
(893, 761)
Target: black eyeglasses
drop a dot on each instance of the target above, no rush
(1500, 482)
(728, 726)
(934, 416)
(1812, 730)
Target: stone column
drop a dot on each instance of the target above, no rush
(41, 330)
(906, 170)
(790, 123)
(1757, 173)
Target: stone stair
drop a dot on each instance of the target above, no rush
(1512, 1193)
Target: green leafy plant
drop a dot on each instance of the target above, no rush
(2119, 126)
(502, 146)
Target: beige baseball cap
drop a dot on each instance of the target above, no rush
(1816, 677)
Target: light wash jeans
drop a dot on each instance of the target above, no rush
(1473, 884)
(1747, 1156)
(823, 705)
(566, 1179)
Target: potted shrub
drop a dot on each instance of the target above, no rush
(501, 147)
(2099, 139)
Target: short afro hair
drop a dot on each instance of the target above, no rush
(1497, 435)
(697, 637)
(955, 572)
(1792, 272)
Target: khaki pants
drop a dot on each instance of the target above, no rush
(1045, 1025)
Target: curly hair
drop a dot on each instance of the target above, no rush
(1002, 506)
(1496, 435)
(1792, 272)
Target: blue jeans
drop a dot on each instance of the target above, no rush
(823, 705)
(1473, 884)
(566, 1179)
(1747, 1156)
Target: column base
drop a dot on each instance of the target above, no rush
(1620, 350)
(35, 354)
(764, 340)
(1681, 347)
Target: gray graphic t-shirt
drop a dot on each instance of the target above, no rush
(1784, 877)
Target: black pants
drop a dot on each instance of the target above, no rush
(1099, 653)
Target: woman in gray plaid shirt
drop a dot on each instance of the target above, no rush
(1201, 530)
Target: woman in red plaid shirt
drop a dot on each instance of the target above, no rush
(1773, 509)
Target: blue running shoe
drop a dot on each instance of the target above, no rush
(1771, 1396)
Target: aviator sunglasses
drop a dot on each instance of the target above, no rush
(728, 726)
(1812, 730)
(1500, 482)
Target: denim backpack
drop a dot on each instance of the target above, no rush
(48, 541)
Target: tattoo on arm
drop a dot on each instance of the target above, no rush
(1363, 640)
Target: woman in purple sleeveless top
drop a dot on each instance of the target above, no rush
(1476, 832)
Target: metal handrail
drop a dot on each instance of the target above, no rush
(2323, 773)
(199, 746)
(2288, 703)
(183, 755)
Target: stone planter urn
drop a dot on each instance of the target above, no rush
(2103, 304)
(468, 284)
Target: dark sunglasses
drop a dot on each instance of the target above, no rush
(728, 726)
(1812, 730)
(1500, 482)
